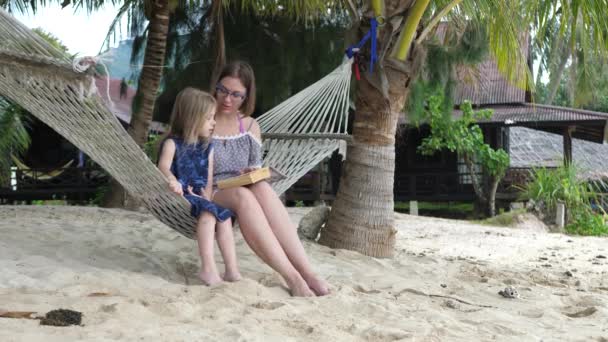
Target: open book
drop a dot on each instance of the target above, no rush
(251, 177)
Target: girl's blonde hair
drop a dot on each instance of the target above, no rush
(190, 111)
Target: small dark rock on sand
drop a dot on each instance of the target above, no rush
(62, 318)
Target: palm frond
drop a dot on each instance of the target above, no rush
(575, 29)
(24, 6)
(14, 137)
(298, 9)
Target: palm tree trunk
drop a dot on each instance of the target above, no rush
(217, 15)
(154, 59)
(573, 81)
(149, 82)
(556, 77)
(362, 216)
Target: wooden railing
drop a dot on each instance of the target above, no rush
(433, 186)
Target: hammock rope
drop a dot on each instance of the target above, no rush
(299, 133)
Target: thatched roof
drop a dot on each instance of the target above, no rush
(530, 112)
(484, 84)
(532, 148)
(490, 88)
(590, 125)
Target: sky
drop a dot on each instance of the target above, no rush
(83, 34)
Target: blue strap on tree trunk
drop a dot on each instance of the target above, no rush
(352, 50)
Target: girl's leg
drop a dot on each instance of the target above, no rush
(205, 231)
(259, 236)
(287, 235)
(225, 240)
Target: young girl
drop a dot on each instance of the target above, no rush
(186, 159)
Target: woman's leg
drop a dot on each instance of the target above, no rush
(287, 235)
(205, 231)
(225, 240)
(260, 237)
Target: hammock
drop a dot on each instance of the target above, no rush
(298, 133)
(41, 175)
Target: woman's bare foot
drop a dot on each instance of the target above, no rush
(299, 288)
(210, 278)
(231, 276)
(319, 286)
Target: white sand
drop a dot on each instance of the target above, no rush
(56, 257)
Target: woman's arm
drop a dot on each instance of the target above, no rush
(165, 160)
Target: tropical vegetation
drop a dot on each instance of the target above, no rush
(584, 199)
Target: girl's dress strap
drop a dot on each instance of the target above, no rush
(241, 128)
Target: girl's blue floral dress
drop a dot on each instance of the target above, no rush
(191, 167)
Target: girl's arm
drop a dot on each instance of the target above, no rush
(164, 164)
(208, 191)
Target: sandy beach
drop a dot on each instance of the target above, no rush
(135, 279)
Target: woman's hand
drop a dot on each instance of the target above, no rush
(176, 186)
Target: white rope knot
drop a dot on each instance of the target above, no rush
(81, 65)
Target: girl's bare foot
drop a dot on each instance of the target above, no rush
(210, 278)
(318, 285)
(232, 276)
(299, 288)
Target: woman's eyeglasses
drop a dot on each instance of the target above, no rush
(223, 91)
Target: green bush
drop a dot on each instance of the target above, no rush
(551, 186)
(586, 222)
(152, 146)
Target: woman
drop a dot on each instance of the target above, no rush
(263, 219)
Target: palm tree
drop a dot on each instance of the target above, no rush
(157, 12)
(362, 214)
(14, 122)
(14, 138)
(566, 37)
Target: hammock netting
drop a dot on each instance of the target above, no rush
(298, 133)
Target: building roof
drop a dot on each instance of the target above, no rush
(532, 148)
(491, 87)
(590, 125)
(485, 84)
(121, 105)
(530, 112)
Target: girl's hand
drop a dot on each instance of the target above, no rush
(248, 169)
(176, 187)
(191, 192)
